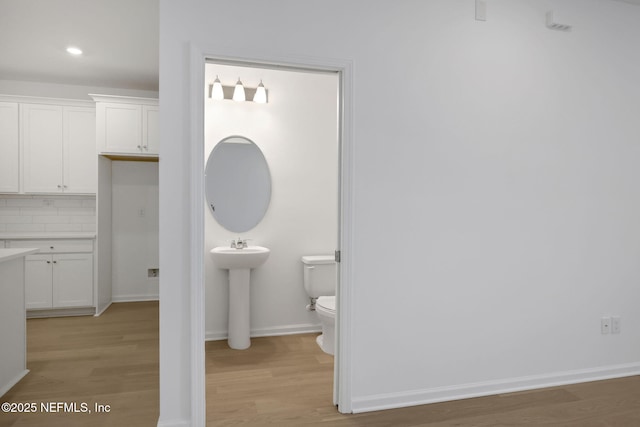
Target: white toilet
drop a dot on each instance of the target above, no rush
(320, 284)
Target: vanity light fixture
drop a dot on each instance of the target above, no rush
(238, 92)
(261, 94)
(216, 89)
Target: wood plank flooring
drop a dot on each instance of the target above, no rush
(110, 360)
(280, 381)
(287, 381)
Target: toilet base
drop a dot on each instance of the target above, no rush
(328, 348)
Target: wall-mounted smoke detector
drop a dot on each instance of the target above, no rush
(554, 25)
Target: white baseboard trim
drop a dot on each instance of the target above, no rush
(98, 313)
(60, 312)
(466, 391)
(13, 382)
(173, 423)
(268, 332)
(134, 298)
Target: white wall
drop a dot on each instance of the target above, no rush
(134, 249)
(297, 133)
(495, 179)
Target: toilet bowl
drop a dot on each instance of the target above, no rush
(326, 310)
(320, 286)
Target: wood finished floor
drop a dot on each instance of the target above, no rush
(280, 381)
(287, 381)
(111, 360)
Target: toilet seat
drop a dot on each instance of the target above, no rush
(326, 305)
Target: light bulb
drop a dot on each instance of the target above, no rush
(238, 92)
(261, 94)
(216, 90)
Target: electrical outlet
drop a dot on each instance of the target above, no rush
(615, 324)
(605, 325)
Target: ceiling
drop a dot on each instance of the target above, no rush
(119, 39)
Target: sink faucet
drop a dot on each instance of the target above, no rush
(239, 244)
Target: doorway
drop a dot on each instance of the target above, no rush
(297, 130)
(198, 92)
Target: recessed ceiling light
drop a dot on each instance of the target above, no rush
(74, 51)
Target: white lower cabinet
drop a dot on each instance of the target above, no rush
(58, 276)
(59, 281)
(38, 278)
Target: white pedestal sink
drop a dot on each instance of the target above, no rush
(239, 262)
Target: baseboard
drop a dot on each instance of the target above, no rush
(13, 382)
(99, 313)
(268, 332)
(173, 423)
(465, 391)
(134, 298)
(61, 312)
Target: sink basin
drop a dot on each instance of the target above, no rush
(231, 258)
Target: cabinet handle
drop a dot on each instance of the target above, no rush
(48, 262)
(146, 147)
(55, 262)
(60, 186)
(140, 147)
(50, 247)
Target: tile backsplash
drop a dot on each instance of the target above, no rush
(20, 213)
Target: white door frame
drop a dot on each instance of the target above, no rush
(197, 90)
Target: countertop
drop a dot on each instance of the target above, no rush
(49, 235)
(9, 254)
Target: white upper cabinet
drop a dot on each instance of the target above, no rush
(9, 148)
(119, 128)
(42, 145)
(80, 159)
(58, 149)
(126, 125)
(150, 129)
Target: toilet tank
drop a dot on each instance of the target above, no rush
(319, 275)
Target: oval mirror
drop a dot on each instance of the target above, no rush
(237, 184)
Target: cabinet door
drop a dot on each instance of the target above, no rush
(79, 150)
(9, 148)
(42, 143)
(119, 128)
(72, 280)
(150, 129)
(37, 281)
